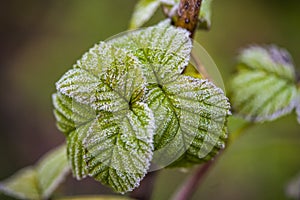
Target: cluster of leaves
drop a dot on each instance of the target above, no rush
(265, 86)
(126, 104)
(145, 9)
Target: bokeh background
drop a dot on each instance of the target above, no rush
(40, 40)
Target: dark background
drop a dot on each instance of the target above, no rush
(41, 39)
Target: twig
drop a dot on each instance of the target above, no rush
(188, 13)
(188, 188)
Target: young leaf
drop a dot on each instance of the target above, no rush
(143, 11)
(205, 15)
(265, 87)
(38, 182)
(164, 52)
(115, 145)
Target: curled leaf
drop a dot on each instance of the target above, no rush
(112, 140)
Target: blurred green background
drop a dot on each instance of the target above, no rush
(41, 39)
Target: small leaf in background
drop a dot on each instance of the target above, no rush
(293, 188)
(51, 170)
(39, 181)
(265, 86)
(205, 15)
(113, 141)
(143, 11)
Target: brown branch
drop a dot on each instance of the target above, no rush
(188, 13)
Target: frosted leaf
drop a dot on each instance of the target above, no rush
(163, 50)
(39, 181)
(190, 118)
(100, 106)
(265, 87)
(143, 11)
(119, 147)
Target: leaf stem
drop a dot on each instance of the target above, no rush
(188, 188)
(188, 13)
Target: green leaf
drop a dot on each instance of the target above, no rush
(164, 52)
(205, 15)
(113, 141)
(200, 110)
(143, 11)
(38, 182)
(51, 170)
(265, 86)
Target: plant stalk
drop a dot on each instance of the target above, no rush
(190, 186)
(188, 13)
